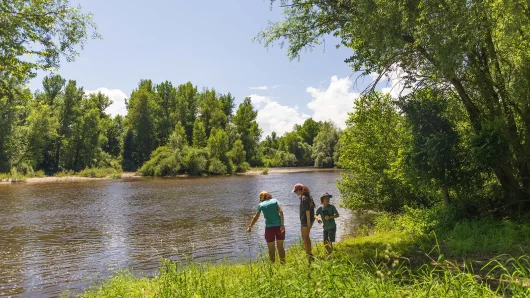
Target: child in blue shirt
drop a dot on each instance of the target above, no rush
(327, 213)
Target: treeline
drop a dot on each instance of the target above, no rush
(168, 130)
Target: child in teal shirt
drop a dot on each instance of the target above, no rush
(327, 213)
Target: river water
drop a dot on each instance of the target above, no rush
(62, 237)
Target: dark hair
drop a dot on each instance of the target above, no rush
(325, 197)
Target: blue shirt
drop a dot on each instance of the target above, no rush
(271, 213)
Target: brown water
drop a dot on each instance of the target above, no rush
(66, 236)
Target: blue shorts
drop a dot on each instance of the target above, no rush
(329, 235)
(304, 224)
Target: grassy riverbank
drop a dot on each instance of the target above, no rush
(427, 253)
(111, 173)
(65, 176)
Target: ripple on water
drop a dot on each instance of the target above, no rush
(55, 237)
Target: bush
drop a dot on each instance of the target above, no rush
(97, 172)
(40, 174)
(163, 162)
(64, 173)
(217, 167)
(195, 161)
(265, 171)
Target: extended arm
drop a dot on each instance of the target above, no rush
(256, 217)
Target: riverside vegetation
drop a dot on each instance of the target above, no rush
(419, 253)
(459, 136)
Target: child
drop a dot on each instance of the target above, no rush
(328, 214)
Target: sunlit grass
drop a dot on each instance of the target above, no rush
(411, 258)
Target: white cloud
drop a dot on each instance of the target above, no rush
(396, 82)
(333, 103)
(259, 88)
(263, 87)
(273, 116)
(118, 100)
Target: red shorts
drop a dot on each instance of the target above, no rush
(274, 233)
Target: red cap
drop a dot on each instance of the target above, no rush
(297, 186)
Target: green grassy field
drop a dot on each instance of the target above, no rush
(422, 253)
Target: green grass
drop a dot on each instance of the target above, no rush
(64, 173)
(422, 253)
(100, 173)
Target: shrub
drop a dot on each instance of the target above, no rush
(97, 172)
(195, 161)
(217, 167)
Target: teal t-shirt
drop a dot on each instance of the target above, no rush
(270, 211)
(329, 210)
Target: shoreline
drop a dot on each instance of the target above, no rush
(288, 170)
(133, 175)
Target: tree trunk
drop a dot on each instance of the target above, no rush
(445, 193)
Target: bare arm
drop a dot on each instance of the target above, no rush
(256, 217)
(280, 211)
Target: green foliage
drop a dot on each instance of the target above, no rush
(217, 167)
(43, 29)
(195, 161)
(237, 156)
(385, 261)
(247, 127)
(309, 130)
(163, 162)
(140, 121)
(325, 144)
(199, 134)
(98, 172)
(477, 50)
(372, 152)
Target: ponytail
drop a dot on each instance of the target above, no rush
(305, 191)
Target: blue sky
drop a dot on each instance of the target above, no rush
(210, 44)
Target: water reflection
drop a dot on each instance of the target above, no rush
(55, 237)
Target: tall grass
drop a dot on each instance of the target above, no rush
(422, 253)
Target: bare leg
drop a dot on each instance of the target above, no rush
(281, 251)
(272, 251)
(329, 247)
(307, 240)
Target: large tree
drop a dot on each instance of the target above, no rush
(44, 29)
(480, 50)
(247, 127)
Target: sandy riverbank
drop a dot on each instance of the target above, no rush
(288, 170)
(131, 175)
(52, 179)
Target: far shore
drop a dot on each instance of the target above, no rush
(131, 175)
(259, 171)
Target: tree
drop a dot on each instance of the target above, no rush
(247, 127)
(218, 148)
(114, 133)
(227, 104)
(70, 111)
(238, 157)
(199, 134)
(44, 29)
(309, 130)
(293, 143)
(140, 122)
(187, 108)
(371, 152)
(480, 50)
(324, 146)
(166, 105)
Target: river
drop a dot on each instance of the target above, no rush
(60, 237)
